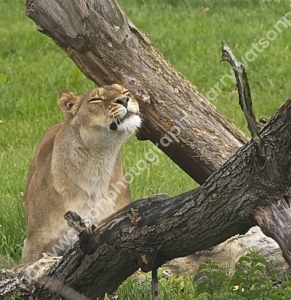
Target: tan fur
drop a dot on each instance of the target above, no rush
(78, 167)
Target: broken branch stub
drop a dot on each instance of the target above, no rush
(245, 98)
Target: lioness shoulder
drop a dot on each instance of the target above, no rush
(77, 166)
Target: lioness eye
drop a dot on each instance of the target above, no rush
(95, 100)
(126, 93)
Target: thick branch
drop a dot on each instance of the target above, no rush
(151, 231)
(274, 221)
(107, 48)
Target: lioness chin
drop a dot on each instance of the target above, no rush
(77, 166)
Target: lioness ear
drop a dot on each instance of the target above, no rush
(66, 102)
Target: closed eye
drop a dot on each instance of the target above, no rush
(126, 93)
(95, 100)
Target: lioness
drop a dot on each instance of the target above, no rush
(78, 167)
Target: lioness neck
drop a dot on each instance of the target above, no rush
(86, 166)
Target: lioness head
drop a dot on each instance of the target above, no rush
(109, 107)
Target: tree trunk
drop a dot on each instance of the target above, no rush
(148, 232)
(107, 48)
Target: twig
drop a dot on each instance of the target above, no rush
(155, 287)
(245, 98)
(75, 221)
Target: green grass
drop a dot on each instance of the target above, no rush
(189, 34)
(169, 288)
(34, 70)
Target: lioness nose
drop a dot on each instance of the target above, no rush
(123, 101)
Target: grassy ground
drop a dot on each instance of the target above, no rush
(34, 70)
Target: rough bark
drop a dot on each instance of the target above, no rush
(151, 231)
(108, 48)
